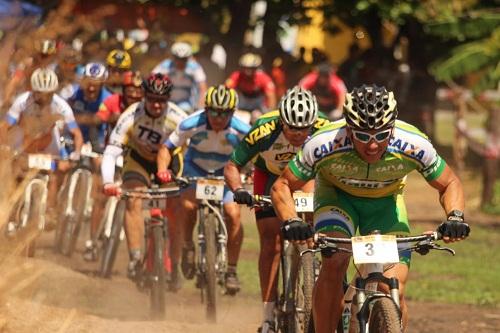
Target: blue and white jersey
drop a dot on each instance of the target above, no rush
(185, 90)
(208, 149)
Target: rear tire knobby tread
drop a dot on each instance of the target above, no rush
(211, 274)
(385, 317)
(111, 248)
(34, 219)
(158, 282)
(304, 286)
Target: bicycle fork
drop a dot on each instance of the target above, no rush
(41, 183)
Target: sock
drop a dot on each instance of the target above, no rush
(231, 268)
(268, 311)
(134, 254)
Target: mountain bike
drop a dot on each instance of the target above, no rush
(211, 265)
(297, 275)
(76, 198)
(30, 209)
(152, 270)
(374, 311)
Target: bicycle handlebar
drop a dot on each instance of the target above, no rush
(151, 193)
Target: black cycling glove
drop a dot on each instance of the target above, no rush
(243, 197)
(454, 229)
(295, 229)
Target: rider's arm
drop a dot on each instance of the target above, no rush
(281, 194)
(109, 157)
(163, 158)
(451, 193)
(232, 176)
(77, 138)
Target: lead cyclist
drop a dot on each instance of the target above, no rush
(360, 165)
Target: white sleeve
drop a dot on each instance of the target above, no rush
(162, 67)
(199, 73)
(109, 157)
(17, 108)
(119, 135)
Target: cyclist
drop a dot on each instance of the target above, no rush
(187, 75)
(118, 62)
(35, 112)
(255, 88)
(141, 129)
(212, 134)
(328, 88)
(68, 67)
(273, 141)
(360, 165)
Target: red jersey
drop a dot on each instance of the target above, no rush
(259, 84)
(113, 104)
(328, 97)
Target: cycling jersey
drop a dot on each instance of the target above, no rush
(113, 105)
(266, 145)
(185, 92)
(258, 85)
(93, 134)
(207, 149)
(331, 156)
(141, 133)
(34, 121)
(328, 97)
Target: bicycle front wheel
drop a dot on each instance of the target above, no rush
(304, 285)
(157, 276)
(35, 213)
(111, 245)
(210, 269)
(385, 317)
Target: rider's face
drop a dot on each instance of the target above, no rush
(371, 151)
(155, 104)
(132, 94)
(248, 71)
(42, 98)
(296, 136)
(218, 119)
(180, 63)
(91, 89)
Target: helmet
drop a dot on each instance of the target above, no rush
(95, 71)
(44, 80)
(298, 108)
(158, 84)
(181, 50)
(119, 59)
(221, 97)
(250, 60)
(131, 78)
(46, 46)
(370, 107)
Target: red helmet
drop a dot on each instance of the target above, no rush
(158, 84)
(131, 78)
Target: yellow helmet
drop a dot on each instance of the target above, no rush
(221, 97)
(250, 60)
(119, 59)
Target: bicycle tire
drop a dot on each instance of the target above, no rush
(286, 317)
(73, 223)
(210, 269)
(304, 284)
(113, 242)
(34, 215)
(384, 316)
(157, 276)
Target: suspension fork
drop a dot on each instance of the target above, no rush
(41, 181)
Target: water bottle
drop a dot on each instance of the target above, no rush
(346, 316)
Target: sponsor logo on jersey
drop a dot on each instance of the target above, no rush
(260, 132)
(365, 183)
(327, 148)
(407, 148)
(284, 156)
(336, 168)
(320, 122)
(147, 134)
(390, 168)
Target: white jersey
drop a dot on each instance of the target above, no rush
(37, 123)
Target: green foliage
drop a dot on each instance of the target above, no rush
(476, 24)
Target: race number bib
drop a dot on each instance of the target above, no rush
(303, 202)
(40, 161)
(375, 249)
(209, 189)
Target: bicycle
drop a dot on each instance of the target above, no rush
(374, 311)
(293, 313)
(31, 208)
(211, 266)
(151, 272)
(77, 200)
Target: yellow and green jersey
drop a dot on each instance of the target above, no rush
(331, 156)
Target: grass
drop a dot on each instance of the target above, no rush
(471, 277)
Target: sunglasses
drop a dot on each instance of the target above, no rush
(154, 99)
(222, 113)
(367, 137)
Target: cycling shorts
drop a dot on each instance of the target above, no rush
(336, 210)
(262, 183)
(136, 167)
(192, 170)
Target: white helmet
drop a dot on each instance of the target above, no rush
(44, 80)
(181, 50)
(95, 71)
(298, 108)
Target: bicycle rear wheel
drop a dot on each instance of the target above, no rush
(210, 269)
(304, 284)
(157, 276)
(385, 317)
(34, 215)
(112, 243)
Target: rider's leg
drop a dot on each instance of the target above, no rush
(188, 220)
(175, 229)
(328, 291)
(234, 241)
(399, 271)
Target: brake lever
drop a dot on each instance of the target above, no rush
(444, 248)
(424, 247)
(316, 250)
